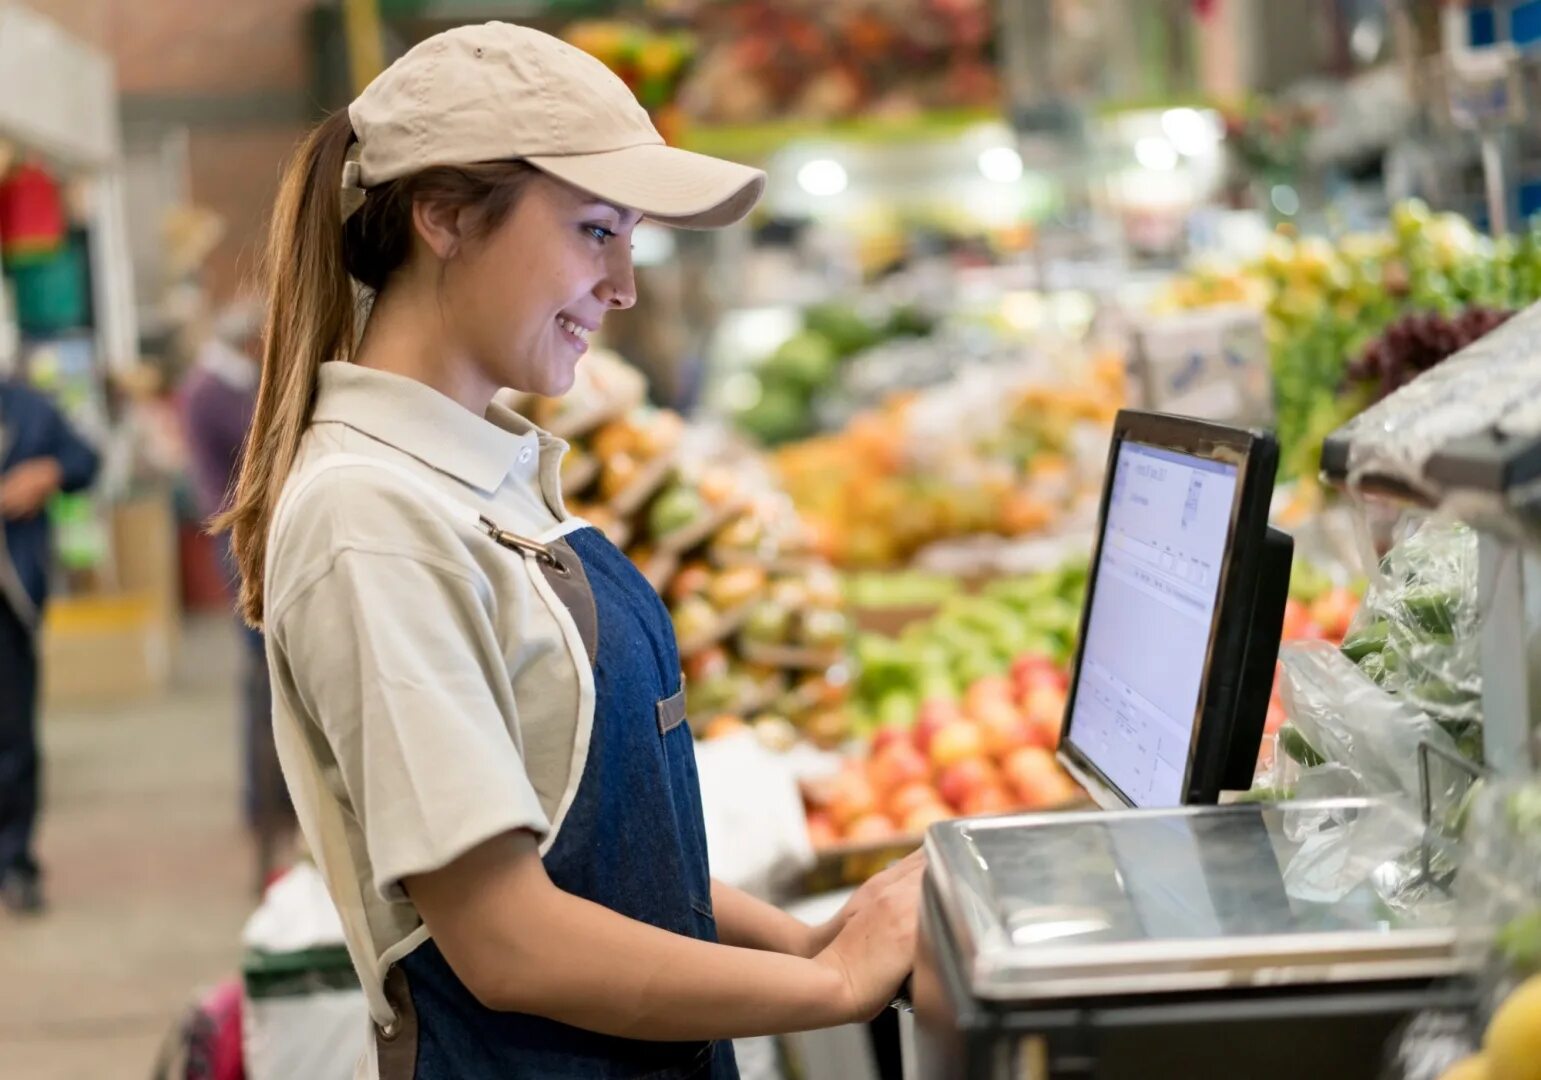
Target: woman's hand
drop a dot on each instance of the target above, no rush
(820, 937)
(874, 950)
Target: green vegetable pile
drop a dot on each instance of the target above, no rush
(970, 638)
(1330, 302)
(809, 362)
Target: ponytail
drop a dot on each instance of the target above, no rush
(314, 267)
(311, 319)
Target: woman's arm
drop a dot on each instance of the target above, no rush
(750, 922)
(521, 944)
(744, 920)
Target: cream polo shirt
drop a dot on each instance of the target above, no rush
(430, 691)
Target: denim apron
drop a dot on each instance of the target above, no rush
(633, 840)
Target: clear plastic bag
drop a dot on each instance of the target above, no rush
(1416, 634)
(1346, 735)
(1502, 905)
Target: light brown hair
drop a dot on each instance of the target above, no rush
(320, 274)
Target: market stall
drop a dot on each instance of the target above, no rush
(68, 327)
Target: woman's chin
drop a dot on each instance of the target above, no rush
(559, 379)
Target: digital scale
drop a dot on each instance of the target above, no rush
(1164, 936)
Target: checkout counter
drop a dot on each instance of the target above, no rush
(1166, 935)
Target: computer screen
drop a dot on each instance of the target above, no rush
(1146, 639)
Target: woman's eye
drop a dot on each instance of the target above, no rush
(598, 232)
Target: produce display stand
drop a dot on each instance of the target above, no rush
(629, 471)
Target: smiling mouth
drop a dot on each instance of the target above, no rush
(579, 332)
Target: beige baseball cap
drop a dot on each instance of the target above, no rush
(496, 92)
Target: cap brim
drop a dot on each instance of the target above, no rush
(669, 185)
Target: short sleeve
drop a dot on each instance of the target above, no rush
(398, 660)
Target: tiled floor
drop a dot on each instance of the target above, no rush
(149, 876)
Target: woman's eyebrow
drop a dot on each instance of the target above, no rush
(621, 213)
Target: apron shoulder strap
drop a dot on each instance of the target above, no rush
(328, 835)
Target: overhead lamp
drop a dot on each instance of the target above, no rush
(1192, 133)
(1156, 153)
(1001, 164)
(823, 177)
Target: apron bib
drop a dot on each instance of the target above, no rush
(633, 840)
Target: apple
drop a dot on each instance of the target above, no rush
(1044, 733)
(904, 801)
(1040, 678)
(870, 828)
(885, 737)
(959, 781)
(933, 716)
(958, 741)
(821, 829)
(852, 797)
(1045, 706)
(920, 819)
(1032, 666)
(1004, 729)
(692, 580)
(1298, 623)
(1026, 767)
(983, 693)
(1053, 789)
(1333, 612)
(993, 799)
(895, 766)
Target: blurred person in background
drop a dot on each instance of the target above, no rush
(217, 398)
(39, 456)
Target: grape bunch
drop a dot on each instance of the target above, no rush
(1416, 342)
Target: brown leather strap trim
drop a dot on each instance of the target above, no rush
(572, 588)
(396, 1049)
(671, 713)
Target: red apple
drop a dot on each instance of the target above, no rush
(821, 829)
(887, 736)
(1298, 624)
(1030, 664)
(1004, 729)
(933, 716)
(956, 742)
(1025, 769)
(869, 828)
(904, 801)
(984, 692)
(923, 817)
(1045, 733)
(959, 781)
(1045, 705)
(896, 765)
(1042, 678)
(1053, 790)
(1333, 612)
(852, 797)
(992, 799)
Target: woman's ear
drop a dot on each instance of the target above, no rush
(439, 225)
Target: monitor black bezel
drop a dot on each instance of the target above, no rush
(1255, 455)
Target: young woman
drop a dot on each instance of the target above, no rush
(477, 699)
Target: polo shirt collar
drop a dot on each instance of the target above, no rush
(418, 420)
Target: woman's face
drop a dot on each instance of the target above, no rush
(527, 297)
